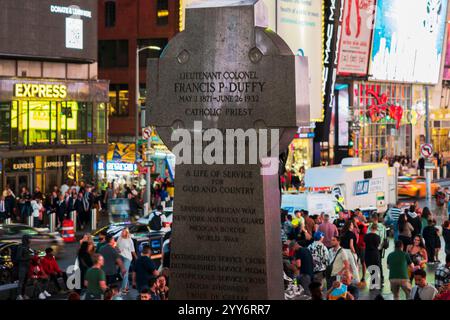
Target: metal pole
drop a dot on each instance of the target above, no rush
(52, 222)
(73, 217)
(137, 103)
(428, 172)
(93, 219)
(148, 190)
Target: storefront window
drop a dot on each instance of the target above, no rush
(5, 122)
(100, 128)
(37, 122)
(382, 135)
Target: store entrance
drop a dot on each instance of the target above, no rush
(18, 180)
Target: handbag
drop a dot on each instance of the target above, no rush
(329, 268)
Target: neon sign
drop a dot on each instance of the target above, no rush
(48, 91)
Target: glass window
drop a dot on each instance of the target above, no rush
(75, 122)
(162, 12)
(5, 122)
(100, 128)
(119, 100)
(112, 53)
(38, 122)
(110, 14)
(15, 123)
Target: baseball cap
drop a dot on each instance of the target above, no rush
(318, 235)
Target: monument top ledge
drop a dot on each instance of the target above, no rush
(221, 3)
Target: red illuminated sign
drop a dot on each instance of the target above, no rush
(382, 109)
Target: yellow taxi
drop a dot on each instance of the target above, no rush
(415, 187)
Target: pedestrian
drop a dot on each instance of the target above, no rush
(329, 230)
(112, 260)
(310, 225)
(84, 260)
(446, 235)
(39, 278)
(101, 240)
(340, 222)
(162, 288)
(432, 240)
(304, 263)
(144, 295)
(320, 257)
(36, 206)
(418, 254)
(95, 279)
(440, 202)
(3, 213)
(127, 252)
(61, 210)
(405, 230)
(442, 274)
(157, 219)
(398, 263)
(145, 269)
(154, 289)
(392, 216)
(51, 268)
(81, 212)
(24, 205)
(23, 259)
(415, 221)
(339, 261)
(382, 233)
(422, 290)
(10, 204)
(342, 289)
(348, 243)
(426, 215)
(372, 255)
(316, 290)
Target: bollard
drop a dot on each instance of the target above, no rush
(163, 203)
(52, 222)
(30, 220)
(7, 221)
(438, 173)
(73, 217)
(93, 219)
(445, 172)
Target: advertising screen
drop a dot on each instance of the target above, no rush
(356, 37)
(408, 40)
(52, 29)
(300, 25)
(447, 56)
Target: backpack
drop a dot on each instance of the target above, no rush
(155, 222)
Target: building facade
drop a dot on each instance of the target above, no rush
(124, 26)
(53, 108)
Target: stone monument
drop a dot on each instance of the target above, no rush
(223, 73)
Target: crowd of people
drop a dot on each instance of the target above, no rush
(106, 271)
(76, 196)
(325, 259)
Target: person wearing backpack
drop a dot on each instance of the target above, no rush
(440, 202)
(157, 219)
(339, 262)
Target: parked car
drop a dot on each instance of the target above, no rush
(40, 238)
(415, 187)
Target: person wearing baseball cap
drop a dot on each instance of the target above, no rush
(320, 256)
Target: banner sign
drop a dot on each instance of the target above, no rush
(356, 37)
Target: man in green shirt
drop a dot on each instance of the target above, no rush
(95, 279)
(398, 263)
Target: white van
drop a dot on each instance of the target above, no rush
(352, 185)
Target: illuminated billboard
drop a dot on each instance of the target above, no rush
(300, 25)
(51, 29)
(408, 40)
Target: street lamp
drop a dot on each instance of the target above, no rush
(138, 109)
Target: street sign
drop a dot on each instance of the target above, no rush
(146, 133)
(429, 165)
(426, 150)
(149, 164)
